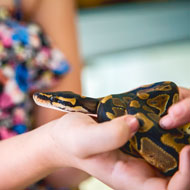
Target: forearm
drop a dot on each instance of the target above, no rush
(25, 159)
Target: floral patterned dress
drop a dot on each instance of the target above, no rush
(27, 63)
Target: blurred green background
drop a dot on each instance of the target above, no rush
(125, 44)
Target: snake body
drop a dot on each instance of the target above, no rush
(147, 103)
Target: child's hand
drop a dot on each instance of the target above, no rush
(76, 137)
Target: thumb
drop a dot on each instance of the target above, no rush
(109, 135)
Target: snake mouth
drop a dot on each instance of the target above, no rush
(46, 100)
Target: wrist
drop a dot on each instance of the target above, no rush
(53, 152)
(46, 146)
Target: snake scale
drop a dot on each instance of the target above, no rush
(159, 147)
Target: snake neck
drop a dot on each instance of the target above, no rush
(89, 104)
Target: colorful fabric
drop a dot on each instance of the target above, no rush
(27, 63)
(41, 187)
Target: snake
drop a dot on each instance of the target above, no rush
(148, 103)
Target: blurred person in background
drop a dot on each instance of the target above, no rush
(30, 62)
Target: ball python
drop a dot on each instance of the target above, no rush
(159, 147)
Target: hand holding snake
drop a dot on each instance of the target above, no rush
(103, 159)
(157, 146)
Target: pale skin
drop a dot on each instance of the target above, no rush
(58, 144)
(95, 151)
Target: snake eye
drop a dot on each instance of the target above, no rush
(52, 98)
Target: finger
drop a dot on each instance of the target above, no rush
(181, 180)
(178, 114)
(183, 93)
(109, 135)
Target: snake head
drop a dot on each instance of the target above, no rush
(66, 101)
(61, 101)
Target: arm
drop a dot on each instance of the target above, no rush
(23, 161)
(29, 157)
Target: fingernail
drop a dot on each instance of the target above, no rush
(132, 123)
(166, 122)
